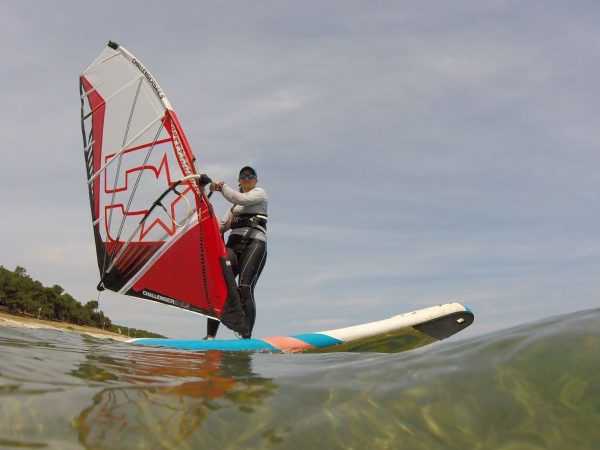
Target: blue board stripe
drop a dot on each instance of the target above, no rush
(318, 340)
(225, 344)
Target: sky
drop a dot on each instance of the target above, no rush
(414, 153)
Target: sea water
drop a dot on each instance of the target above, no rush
(530, 387)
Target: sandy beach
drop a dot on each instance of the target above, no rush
(17, 321)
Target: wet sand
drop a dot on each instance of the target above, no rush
(18, 321)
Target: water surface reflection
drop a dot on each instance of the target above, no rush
(165, 396)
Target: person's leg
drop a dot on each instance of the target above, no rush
(212, 325)
(251, 264)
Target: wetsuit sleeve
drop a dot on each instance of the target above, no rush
(255, 196)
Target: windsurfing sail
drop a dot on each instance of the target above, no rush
(156, 234)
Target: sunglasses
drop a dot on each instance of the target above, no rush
(247, 176)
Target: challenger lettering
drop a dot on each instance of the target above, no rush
(159, 297)
(149, 77)
(162, 298)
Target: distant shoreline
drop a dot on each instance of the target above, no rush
(20, 321)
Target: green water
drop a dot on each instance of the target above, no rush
(533, 387)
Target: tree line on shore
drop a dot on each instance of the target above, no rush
(20, 294)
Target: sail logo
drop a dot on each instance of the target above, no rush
(181, 156)
(133, 185)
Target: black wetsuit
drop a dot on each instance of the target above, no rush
(247, 261)
(246, 248)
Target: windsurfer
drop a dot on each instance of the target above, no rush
(247, 243)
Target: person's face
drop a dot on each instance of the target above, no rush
(247, 180)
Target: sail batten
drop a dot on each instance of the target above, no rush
(123, 149)
(156, 235)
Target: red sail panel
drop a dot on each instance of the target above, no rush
(179, 276)
(189, 271)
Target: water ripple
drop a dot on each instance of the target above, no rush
(533, 386)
